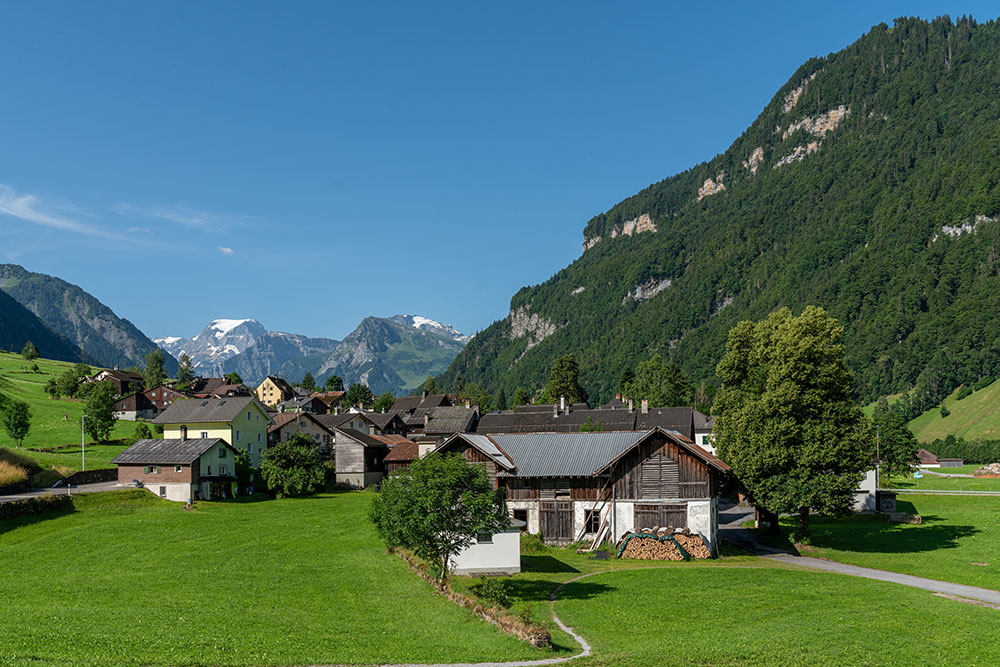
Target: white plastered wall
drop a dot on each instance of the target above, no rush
(502, 555)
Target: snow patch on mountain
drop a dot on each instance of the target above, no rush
(222, 327)
(427, 324)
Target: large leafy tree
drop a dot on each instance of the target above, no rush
(185, 371)
(437, 508)
(384, 402)
(17, 420)
(564, 381)
(431, 386)
(156, 369)
(662, 384)
(359, 395)
(100, 410)
(29, 351)
(895, 444)
(293, 467)
(233, 378)
(334, 383)
(785, 421)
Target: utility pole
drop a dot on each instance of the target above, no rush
(83, 452)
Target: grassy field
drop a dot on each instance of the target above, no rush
(130, 579)
(53, 421)
(958, 541)
(752, 616)
(934, 482)
(975, 416)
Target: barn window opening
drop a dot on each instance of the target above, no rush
(592, 521)
(522, 515)
(484, 538)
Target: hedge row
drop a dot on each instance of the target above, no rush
(35, 505)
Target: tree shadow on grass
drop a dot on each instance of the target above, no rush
(545, 564)
(7, 525)
(540, 590)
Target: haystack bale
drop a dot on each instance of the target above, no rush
(694, 545)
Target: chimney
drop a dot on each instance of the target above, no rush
(555, 411)
(562, 404)
(645, 406)
(423, 394)
(427, 418)
(630, 408)
(468, 403)
(184, 432)
(116, 368)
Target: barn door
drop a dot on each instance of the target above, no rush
(660, 516)
(659, 477)
(556, 521)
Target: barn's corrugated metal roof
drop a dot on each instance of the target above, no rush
(564, 454)
(167, 452)
(487, 446)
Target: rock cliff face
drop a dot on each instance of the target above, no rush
(712, 186)
(524, 324)
(106, 339)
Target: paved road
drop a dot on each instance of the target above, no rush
(730, 530)
(943, 474)
(61, 491)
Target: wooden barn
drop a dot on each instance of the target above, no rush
(573, 486)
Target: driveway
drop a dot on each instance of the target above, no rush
(61, 491)
(730, 530)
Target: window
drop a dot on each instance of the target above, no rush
(151, 470)
(259, 437)
(249, 417)
(222, 470)
(484, 538)
(237, 436)
(204, 434)
(163, 492)
(178, 468)
(251, 450)
(592, 521)
(209, 470)
(222, 452)
(522, 515)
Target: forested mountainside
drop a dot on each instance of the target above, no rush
(18, 325)
(68, 310)
(868, 185)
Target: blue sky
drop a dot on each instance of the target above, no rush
(309, 164)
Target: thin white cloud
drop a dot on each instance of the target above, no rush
(183, 215)
(226, 251)
(133, 229)
(30, 208)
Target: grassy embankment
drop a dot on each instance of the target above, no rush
(53, 421)
(975, 416)
(131, 579)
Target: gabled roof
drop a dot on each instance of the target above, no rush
(167, 452)
(333, 421)
(280, 383)
(404, 452)
(207, 410)
(549, 419)
(569, 454)
(207, 385)
(451, 419)
(121, 376)
(393, 440)
(410, 403)
(926, 457)
(363, 438)
(383, 419)
(284, 418)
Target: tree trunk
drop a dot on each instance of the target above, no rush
(803, 521)
(772, 521)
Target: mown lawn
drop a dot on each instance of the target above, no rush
(130, 579)
(53, 421)
(938, 483)
(751, 616)
(958, 541)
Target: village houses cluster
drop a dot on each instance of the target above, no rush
(645, 467)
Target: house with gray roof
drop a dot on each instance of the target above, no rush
(241, 421)
(359, 458)
(573, 486)
(180, 469)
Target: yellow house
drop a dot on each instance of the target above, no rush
(273, 390)
(241, 421)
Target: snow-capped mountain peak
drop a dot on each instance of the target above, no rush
(222, 327)
(427, 324)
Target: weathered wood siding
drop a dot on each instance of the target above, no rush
(473, 455)
(349, 454)
(667, 470)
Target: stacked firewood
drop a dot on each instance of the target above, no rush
(694, 545)
(663, 544)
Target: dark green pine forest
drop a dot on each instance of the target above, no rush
(868, 186)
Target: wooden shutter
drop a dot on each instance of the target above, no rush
(659, 478)
(547, 489)
(660, 516)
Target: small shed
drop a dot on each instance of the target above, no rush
(498, 554)
(927, 459)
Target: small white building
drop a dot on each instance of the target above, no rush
(492, 554)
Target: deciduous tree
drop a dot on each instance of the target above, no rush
(662, 384)
(100, 410)
(334, 383)
(293, 467)
(233, 378)
(895, 444)
(156, 370)
(359, 395)
(384, 402)
(437, 508)
(785, 421)
(29, 351)
(17, 420)
(185, 371)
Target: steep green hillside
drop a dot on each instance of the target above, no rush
(71, 312)
(975, 416)
(18, 325)
(868, 185)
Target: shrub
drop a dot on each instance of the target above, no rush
(532, 544)
(35, 505)
(492, 590)
(963, 391)
(11, 474)
(292, 468)
(982, 383)
(944, 411)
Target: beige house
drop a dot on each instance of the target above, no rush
(273, 390)
(241, 422)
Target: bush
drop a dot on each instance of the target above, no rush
(292, 468)
(982, 383)
(532, 544)
(492, 591)
(944, 411)
(963, 391)
(35, 505)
